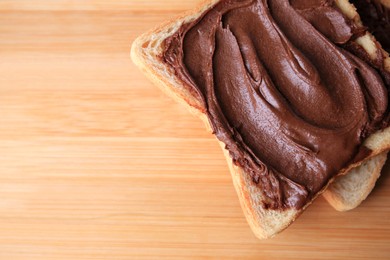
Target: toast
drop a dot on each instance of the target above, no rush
(265, 222)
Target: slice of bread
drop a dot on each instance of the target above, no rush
(146, 52)
(349, 191)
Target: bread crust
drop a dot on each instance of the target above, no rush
(265, 223)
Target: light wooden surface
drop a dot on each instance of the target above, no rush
(96, 163)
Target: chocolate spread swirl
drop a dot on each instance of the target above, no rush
(290, 104)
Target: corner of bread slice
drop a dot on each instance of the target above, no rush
(265, 223)
(146, 53)
(348, 191)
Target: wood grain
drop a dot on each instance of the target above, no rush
(96, 163)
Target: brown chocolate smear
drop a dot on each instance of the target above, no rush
(290, 105)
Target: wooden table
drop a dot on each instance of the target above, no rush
(96, 163)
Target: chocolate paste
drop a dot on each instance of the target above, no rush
(291, 106)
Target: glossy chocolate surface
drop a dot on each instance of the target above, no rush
(290, 104)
